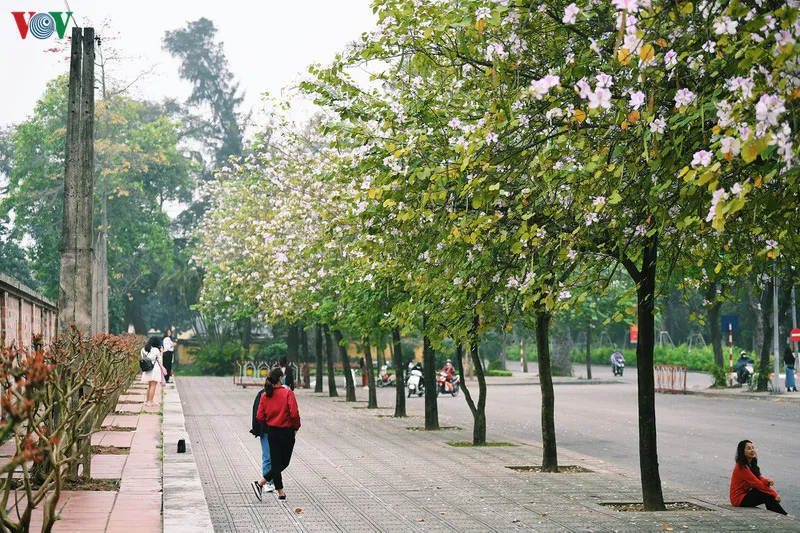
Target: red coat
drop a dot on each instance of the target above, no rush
(742, 480)
(279, 410)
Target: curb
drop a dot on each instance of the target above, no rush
(744, 396)
(185, 507)
(555, 383)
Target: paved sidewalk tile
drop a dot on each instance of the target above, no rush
(355, 471)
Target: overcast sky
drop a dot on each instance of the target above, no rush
(269, 44)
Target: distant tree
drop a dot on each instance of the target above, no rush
(203, 63)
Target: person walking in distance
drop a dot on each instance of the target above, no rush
(288, 373)
(168, 348)
(259, 431)
(278, 411)
(748, 487)
(789, 361)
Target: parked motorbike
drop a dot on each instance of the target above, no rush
(448, 386)
(618, 369)
(415, 383)
(386, 379)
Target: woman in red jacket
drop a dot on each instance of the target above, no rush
(748, 487)
(279, 414)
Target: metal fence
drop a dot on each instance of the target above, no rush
(670, 378)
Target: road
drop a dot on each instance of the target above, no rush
(697, 436)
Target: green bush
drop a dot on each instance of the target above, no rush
(493, 372)
(272, 351)
(698, 359)
(211, 361)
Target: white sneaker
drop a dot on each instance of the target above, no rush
(268, 487)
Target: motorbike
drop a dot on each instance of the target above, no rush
(744, 376)
(618, 368)
(415, 384)
(386, 379)
(447, 386)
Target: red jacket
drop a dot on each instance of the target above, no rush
(743, 480)
(279, 410)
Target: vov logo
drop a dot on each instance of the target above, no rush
(42, 25)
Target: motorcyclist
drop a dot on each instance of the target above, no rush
(449, 370)
(616, 359)
(742, 373)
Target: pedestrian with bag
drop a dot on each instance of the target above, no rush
(278, 412)
(259, 431)
(748, 487)
(169, 348)
(150, 365)
(789, 361)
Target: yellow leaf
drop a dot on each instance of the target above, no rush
(716, 129)
(772, 254)
(479, 25)
(759, 181)
(580, 115)
(662, 43)
(718, 268)
(371, 192)
(624, 56)
(455, 232)
(624, 125)
(634, 116)
(647, 53)
(795, 94)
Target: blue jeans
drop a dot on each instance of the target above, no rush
(790, 378)
(266, 465)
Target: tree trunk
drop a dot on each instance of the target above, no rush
(648, 444)
(715, 324)
(758, 317)
(478, 410)
(246, 325)
(370, 370)
(133, 314)
(318, 348)
(329, 351)
(522, 355)
(549, 449)
(400, 383)
(379, 352)
(429, 364)
(304, 343)
(292, 339)
(348, 373)
(766, 348)
(589, 350)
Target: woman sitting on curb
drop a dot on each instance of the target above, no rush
(748, 487)
(279, 414)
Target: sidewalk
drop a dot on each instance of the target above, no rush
(355, 469)
(136, 506)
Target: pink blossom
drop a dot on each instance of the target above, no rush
(570, 14)
(600, 98)
(631, 6)
(701, 159)
(637, 99)
(684, 97)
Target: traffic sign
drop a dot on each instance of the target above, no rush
(795, 335)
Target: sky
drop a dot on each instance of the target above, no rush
(269, 44)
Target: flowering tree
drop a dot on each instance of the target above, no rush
(642, 123)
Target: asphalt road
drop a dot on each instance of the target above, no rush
(697, 436)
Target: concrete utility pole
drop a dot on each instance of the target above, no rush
(75, 294)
